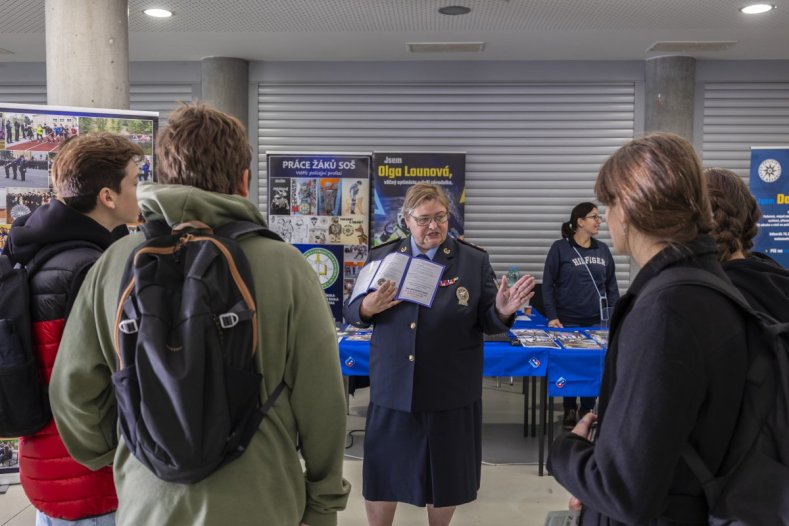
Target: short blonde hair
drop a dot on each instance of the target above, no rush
(421, 192)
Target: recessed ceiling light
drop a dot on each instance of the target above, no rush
(158, 13)
(755, 9)
(454, 10)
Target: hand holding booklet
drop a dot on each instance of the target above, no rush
(416, 279)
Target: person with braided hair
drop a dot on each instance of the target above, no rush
(762, 280)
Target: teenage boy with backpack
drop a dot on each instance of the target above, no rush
(203, 159)
(95, 180)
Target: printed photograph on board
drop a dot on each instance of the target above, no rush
(279, 195)
(354, 197)
(304, 196)
(22, 201)
(329, 197)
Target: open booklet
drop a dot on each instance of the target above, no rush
(416, 278)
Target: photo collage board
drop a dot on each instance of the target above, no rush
(30, 137)
(319, 202)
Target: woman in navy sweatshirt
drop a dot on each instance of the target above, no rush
(578, 281)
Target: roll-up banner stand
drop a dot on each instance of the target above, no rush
(30, 137)
(395, 172)
(320, 203)
(769, 183)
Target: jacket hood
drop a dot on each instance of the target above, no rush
(51, 223)
(177, 204)
(764, 283)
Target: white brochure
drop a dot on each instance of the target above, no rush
(416, 279)
(365, 279)
(421, 282)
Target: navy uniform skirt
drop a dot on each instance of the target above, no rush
(432, 457)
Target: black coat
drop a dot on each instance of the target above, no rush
(430, 359)
(674, 373)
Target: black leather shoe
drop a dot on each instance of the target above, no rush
(570, 419)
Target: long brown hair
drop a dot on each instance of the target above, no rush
(657, 182)
(735, 212)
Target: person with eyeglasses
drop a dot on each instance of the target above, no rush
(579, 285)
(422, 443)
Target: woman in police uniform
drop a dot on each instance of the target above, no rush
(422, 440)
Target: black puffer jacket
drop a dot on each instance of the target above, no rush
(674, 373)
(67, 243)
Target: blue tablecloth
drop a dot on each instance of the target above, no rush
(500, 359)
(570, 372)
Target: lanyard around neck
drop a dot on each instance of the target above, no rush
(583, 260)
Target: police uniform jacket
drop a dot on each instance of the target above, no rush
(430, 359)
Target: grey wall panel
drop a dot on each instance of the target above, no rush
(533, 149)
(23, 93)
(738, 115)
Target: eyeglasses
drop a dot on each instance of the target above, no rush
(440, 219)
(595, 217)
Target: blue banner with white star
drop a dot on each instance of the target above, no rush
(769, 183)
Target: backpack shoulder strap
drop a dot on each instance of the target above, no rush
(759, 367)
(79, 272)
(695, 276)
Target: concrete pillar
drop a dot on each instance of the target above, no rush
(87, 53)
(225, 86)
(670, 88)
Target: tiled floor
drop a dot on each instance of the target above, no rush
(511, 493)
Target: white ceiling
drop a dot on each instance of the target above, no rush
(328, 30)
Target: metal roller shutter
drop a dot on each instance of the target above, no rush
(738, 115)
(533, 149)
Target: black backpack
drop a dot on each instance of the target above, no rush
(24, 402)
(752, 485)
(186, 335)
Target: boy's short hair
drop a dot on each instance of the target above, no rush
(87, 163)
(204, 148)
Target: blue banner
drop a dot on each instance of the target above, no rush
(395, 172)
(769, 183)
(326, 261)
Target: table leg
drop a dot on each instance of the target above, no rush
(534, 407)
(543, 396)
(525, 391)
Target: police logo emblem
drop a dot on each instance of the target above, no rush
(462, 294)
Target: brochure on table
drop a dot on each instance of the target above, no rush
(416, 278)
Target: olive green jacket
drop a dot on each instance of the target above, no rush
(297, 344)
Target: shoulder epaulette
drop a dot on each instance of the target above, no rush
(469, 243)
(386, 244)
